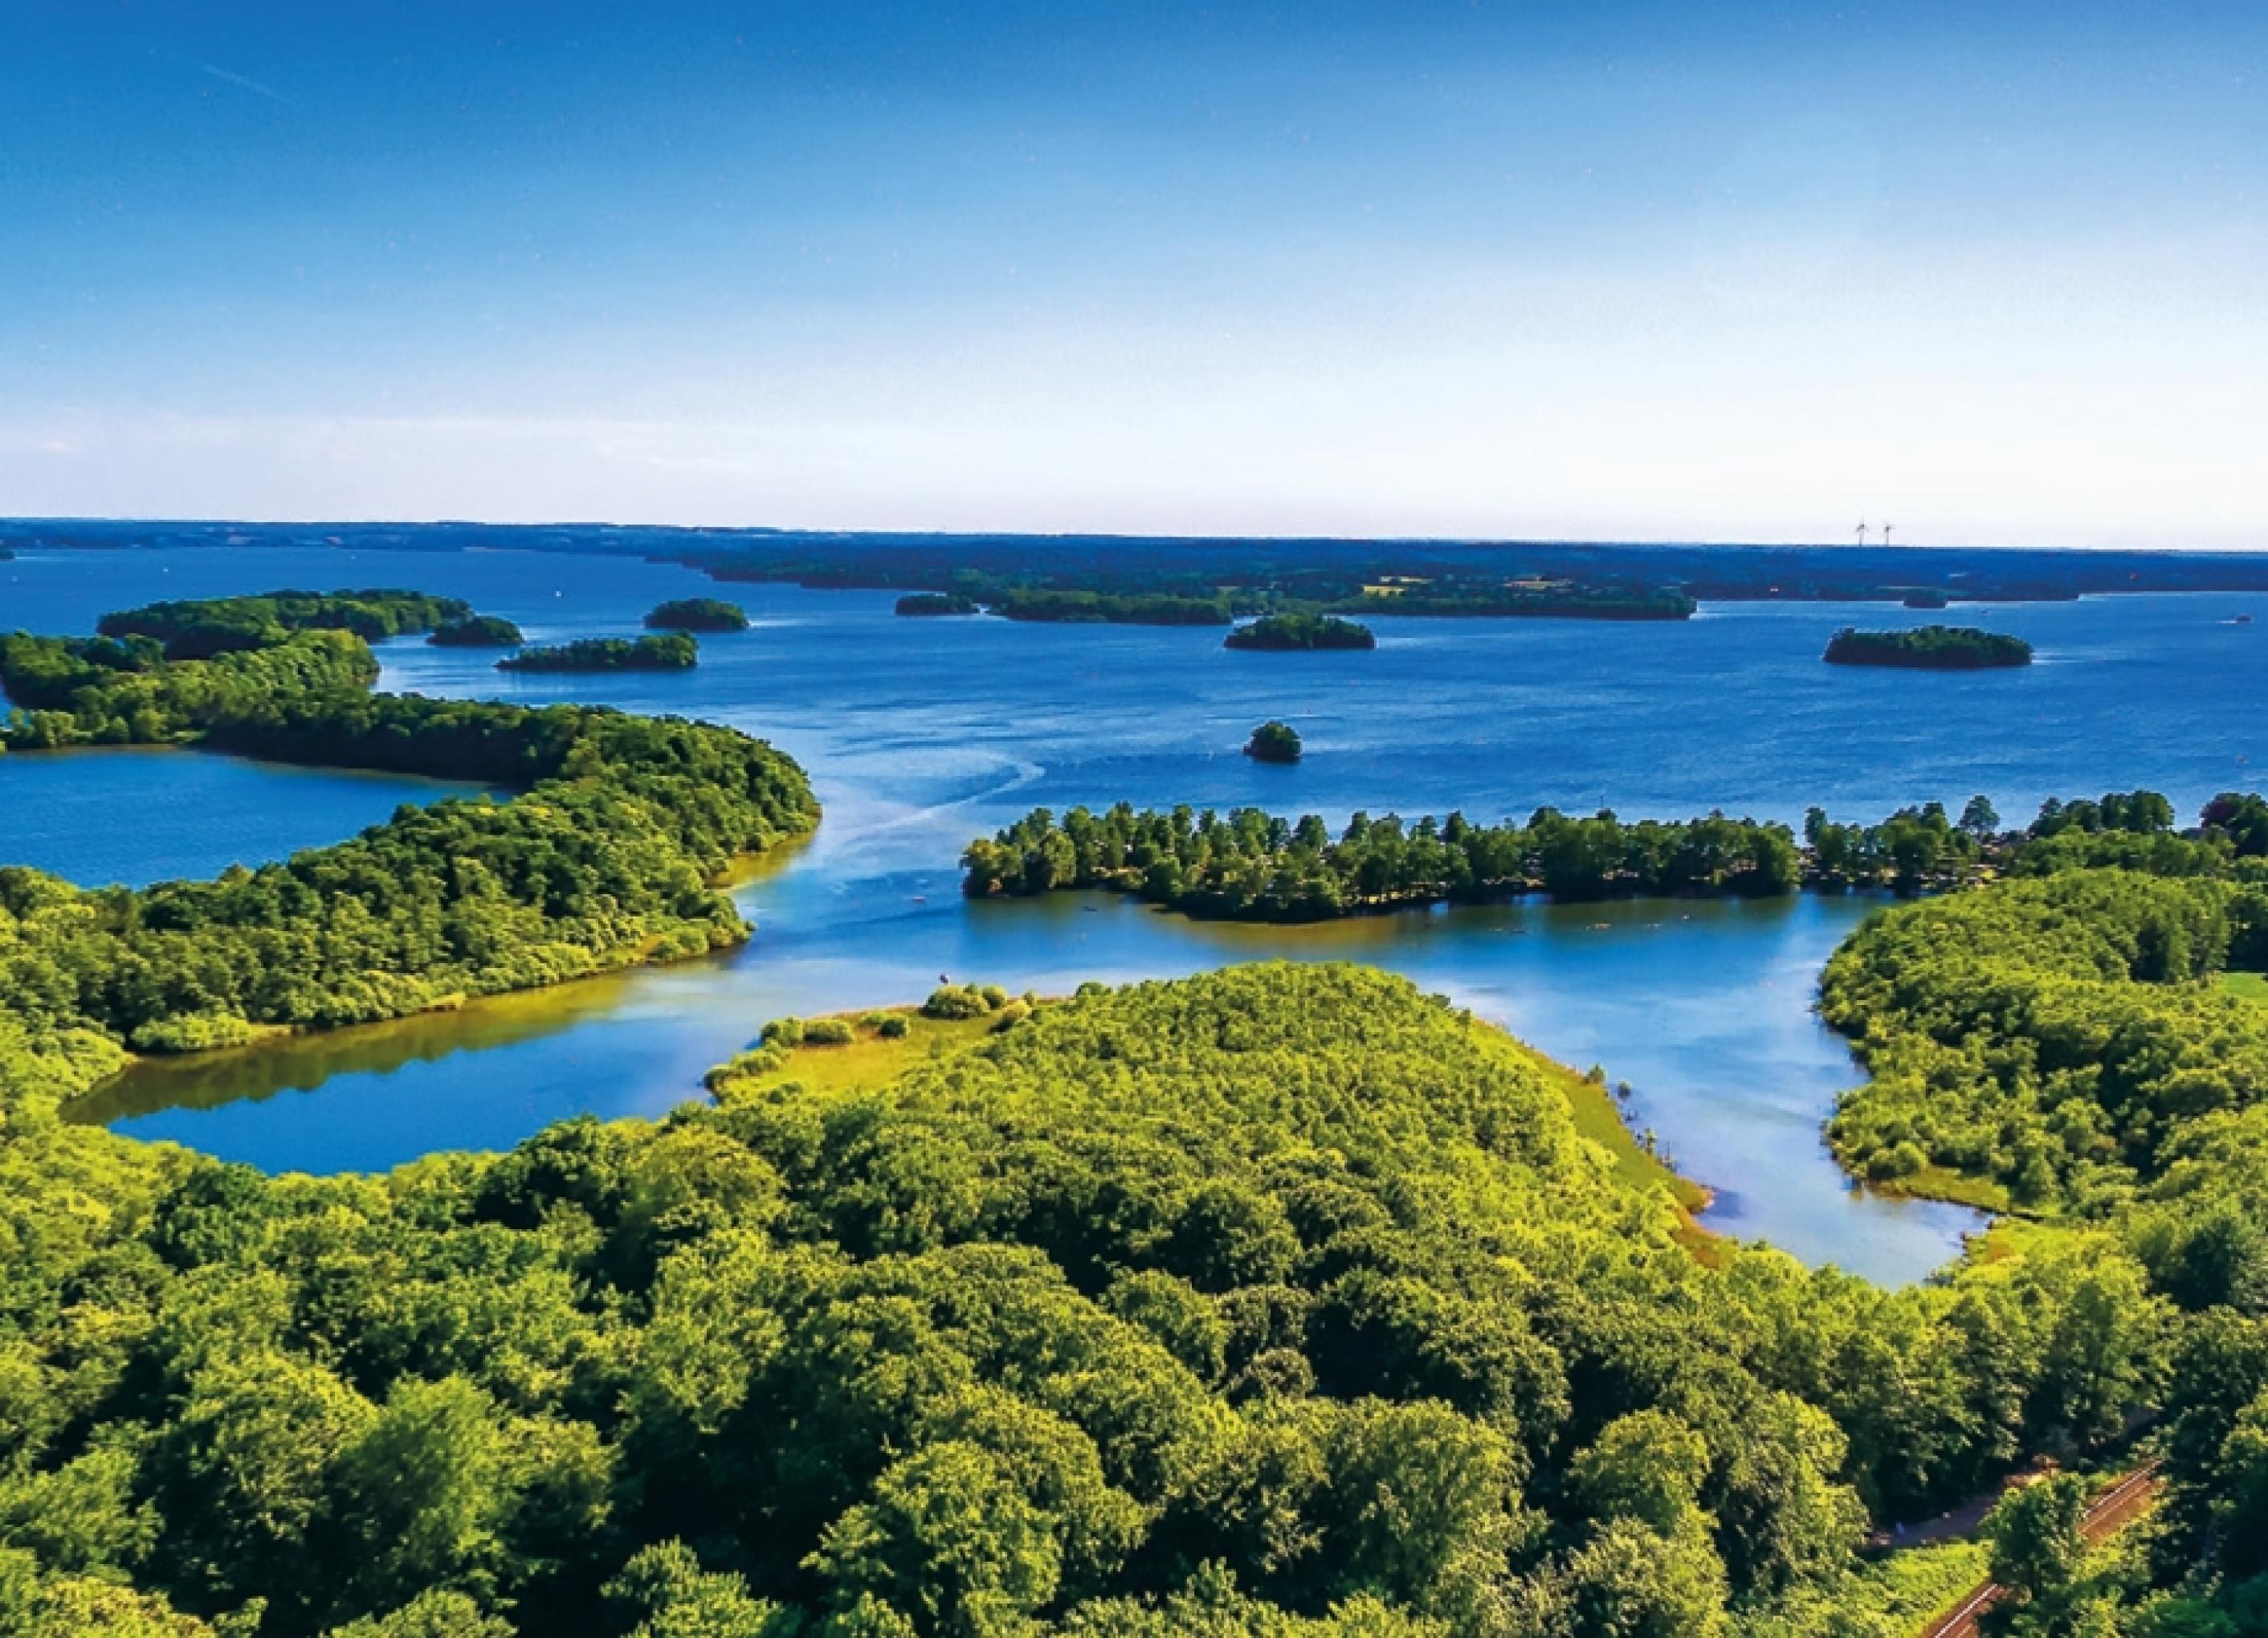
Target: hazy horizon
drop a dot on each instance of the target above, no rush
(1649, 274)
(628, 525)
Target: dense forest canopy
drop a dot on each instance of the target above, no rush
(675, 650)
(1290, 633)
(477, 632)
(1252, 866)
(697, 614)
(1280, 1300)
(1928, 648)
(1082, 606)
(200, 629)
(937, 603)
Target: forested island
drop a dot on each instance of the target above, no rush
(1248, 865)
(1274, 742)
(1300, 633)
(697, 614)
(937, 603)
(200, 629)
(1928, 648)
(477, 632)
(1049, 604)
(677, 651)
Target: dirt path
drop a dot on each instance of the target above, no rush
(2106, 1514)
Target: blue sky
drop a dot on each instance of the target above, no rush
(1756, 271)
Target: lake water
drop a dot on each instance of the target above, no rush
(920, 734)
(139, 815)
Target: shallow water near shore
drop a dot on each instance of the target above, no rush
(920, 734)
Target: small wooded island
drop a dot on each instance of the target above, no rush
(202, 628)
(697, 614)
(1928, 648)
(676, 652)
(1300, 633)
(936, 603)
(1274, 742)
(477, 631)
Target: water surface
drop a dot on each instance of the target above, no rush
(920, 734)
(137, 815)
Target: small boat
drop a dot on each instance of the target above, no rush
(2241, 620)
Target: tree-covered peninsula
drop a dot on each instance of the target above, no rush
(2068, 1044)
(1928, 648)
(1548, 600)
(1300, 633)
(674, 651)
(198, 630)
(477, 632)
(604, 859)
(697, 614)
(1250, 865)
(1048, 604)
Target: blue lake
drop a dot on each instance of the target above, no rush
(920, 734)
(137, 815)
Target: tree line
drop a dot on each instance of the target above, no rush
(1252, 866)
(673, 651)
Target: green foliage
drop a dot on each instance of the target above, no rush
(697, 614)
(1279, 1300)
(1274, 742)
(1928, 648)
(199, 630)
(1293, 632)
(478, 631)
(2038, 1543)
(937, 603)
(1251, 865)
(955, 1000)
(2058, 1035)
(1043, 603)
(677, 651)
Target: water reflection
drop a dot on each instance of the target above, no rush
(1704, 1006)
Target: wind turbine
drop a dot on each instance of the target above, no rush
(1862, 531)
(1886, 534)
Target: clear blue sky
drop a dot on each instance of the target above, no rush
(1996, 272)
